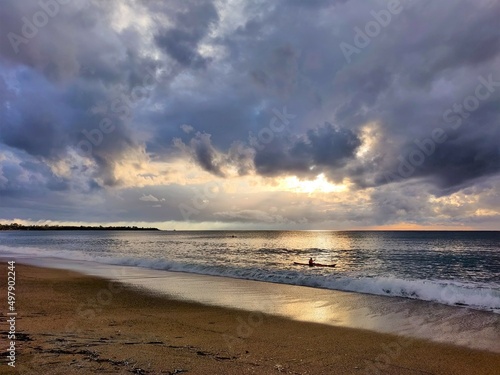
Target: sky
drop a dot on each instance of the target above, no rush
(232, 114)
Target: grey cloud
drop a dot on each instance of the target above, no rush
(200, 150)
(205, 154)
(458, 163)
(75, 63)
(325, 147)
(33, 121)
(249, 216)
(314, 3)
(192, 22)
(208, 157)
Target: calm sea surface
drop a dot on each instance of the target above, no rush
(455, 268)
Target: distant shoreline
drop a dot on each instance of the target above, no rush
(6, 227)
(18, 227)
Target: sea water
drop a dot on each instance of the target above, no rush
(440, 286)
(450, 268)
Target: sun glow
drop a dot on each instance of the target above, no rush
(318, 185)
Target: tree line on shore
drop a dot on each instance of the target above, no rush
(16, 226)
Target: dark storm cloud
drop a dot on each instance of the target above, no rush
(458, 162)
(74, 64)
(325, 147)
(192, 21)
(411, 75)
(34, 121)
(29, 177)
(451, 141)
(226, 117)
(205, 154)
(46, 39)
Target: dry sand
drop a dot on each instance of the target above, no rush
(74, 324)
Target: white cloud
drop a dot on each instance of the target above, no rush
(149, 198)
(187, 128)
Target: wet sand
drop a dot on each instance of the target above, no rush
(69, 323)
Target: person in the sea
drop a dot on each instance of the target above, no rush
(311, 262)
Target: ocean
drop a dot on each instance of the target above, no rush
(450, 268)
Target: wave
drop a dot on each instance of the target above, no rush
(481, 296)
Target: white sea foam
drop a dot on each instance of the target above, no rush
(481, 296)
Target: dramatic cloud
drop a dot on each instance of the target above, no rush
(302, 114)
(322, 147)
(192, 21)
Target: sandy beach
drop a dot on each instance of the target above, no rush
(69, 323)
